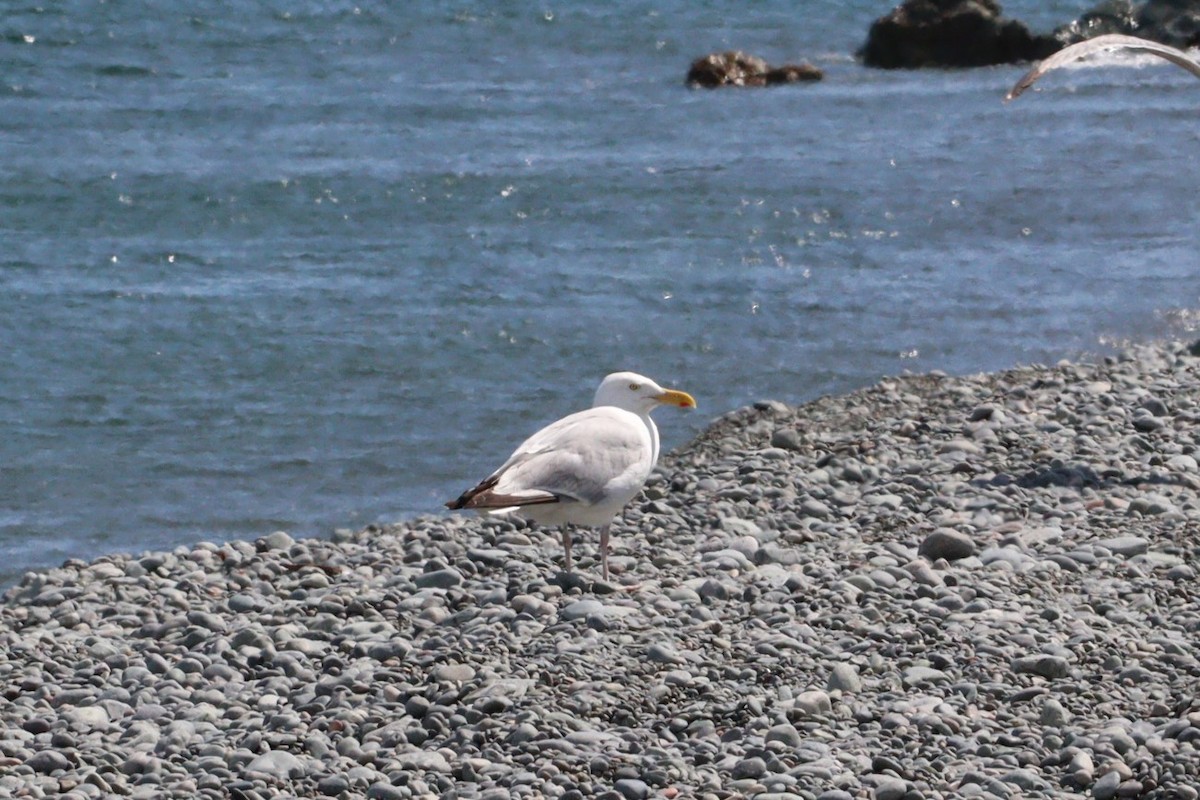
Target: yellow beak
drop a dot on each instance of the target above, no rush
(673, 398)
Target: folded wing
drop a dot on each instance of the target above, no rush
(596, 456)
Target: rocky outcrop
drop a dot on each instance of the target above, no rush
(735, 68)
(951, 33)
(1171, 22)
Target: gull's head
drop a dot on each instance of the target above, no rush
(638, 394)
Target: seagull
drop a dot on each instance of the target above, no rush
(584, 468)
(1111, 41)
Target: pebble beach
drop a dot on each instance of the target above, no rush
(933, 587)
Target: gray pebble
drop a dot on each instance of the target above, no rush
(787, 438)
(439, 579)
(1046, 666)
(844, 678)
(582, 609)
(279, 540)
(922, 676)
(333, 785)
(784, 734)
(835, 794)
(813, 703)
(663, 653)
(454, 672)
(946, 543)
(632, 789)
(277, 764)
(889, 789)
(48, 761)
(386, 791)
(1081, 768)
(1053, 714)
(749, 768)
(1106, 787)
(1126, 546)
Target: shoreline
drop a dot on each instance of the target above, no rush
(932, 587)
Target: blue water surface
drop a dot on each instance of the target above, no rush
(308, 266)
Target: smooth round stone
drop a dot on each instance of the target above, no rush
(1106, 787)
(529, 604)
(923, 676)
(1122, 742)
(888, 788)
(1003, 555)
(393, 648)
(1147, 423)
(946, 543)
(1151, 505)
(454, 672)
(140, 763)
(1126, 546)
(662, 653)
(1025, 780)
(861, 582)
(787, 439)
(581, 609)
(428, 760)
(386, 791)
(1081, 768)
(446, 578)
(1045, 666)
(813, 703)
(815, 508)
(277, 764)
(333, 785)
(835, 794)
(785, 734)
(923, 573)
(749, 768)
(36, 725)
(87, 717)
(1053, 714)
(844, 678)
(632, 788)
(279, 540)
(47, 761)
(1181, 572)
(1183, 463)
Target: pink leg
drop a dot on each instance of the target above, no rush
(604, 552)
(566, 539)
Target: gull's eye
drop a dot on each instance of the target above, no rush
(634, 387)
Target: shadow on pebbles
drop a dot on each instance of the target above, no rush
(935, 587)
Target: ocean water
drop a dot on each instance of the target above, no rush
(304, 266)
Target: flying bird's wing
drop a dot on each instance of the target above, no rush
(1112, 41)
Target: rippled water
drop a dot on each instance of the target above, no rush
(313, 267)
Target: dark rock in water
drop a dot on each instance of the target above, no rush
(951, 33)
(735, 68)
(793, 73)
(1110, 16)
(1171, 22)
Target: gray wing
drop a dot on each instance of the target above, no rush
(576, 458)
(1112, 41)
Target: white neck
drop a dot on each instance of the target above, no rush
(653, 436)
